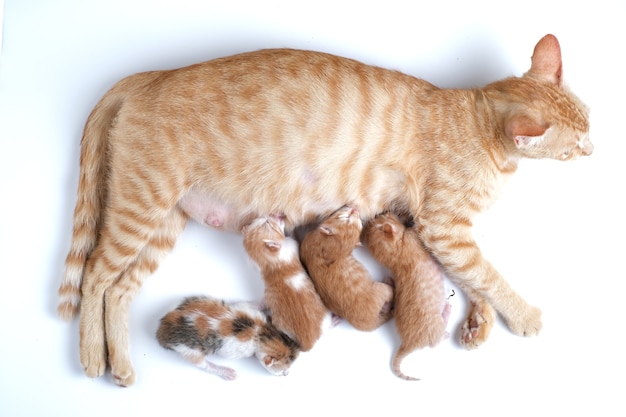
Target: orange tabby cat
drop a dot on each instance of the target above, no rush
(342, 282)
(301, 133)
(420, 310)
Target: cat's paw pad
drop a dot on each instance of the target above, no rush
(122, 372)
(124, 380)
(527, 324)
(478, 325)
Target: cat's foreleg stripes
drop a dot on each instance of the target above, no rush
(486, 288)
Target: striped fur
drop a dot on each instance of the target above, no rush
(300, 133)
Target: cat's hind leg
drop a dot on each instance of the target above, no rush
(119, 296)
(134, 211)
(200, 360)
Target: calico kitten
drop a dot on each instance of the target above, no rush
(342, 282)
(421, 311)
(203, 326)
(301, 133)
(294, 305)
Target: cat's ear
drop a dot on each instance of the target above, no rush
(326, 230)
(546, 60)
(271, 244)
(268, 360)
(525, 131)
(389, 229)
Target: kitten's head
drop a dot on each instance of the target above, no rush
(277, 351)
(384, 235)
(345, 224)
(541, 117)
(265, 242)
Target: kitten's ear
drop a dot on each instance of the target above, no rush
(272, 245)
(524, 131)
(546, 60)
(268, 360)
(389, 229)
(326, 230)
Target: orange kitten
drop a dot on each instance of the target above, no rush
(202, 326)
(420, 311)
(294, 305)
(301, 133)
(342, 282)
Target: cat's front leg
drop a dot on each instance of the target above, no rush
(463, 262)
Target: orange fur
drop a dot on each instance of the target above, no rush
(301, 133)
(294, 305)
(420, 310)
(342, 282)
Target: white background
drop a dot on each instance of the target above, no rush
(556, 233)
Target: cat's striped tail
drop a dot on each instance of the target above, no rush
(88, 213)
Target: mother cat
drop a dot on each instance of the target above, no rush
(301, 134)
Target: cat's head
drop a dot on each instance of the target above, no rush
(264, 239)
(540, 116)
(344, 223)
(383, 235)
(277, 350)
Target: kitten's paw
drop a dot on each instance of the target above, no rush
(228, 374)
(335, 320)
(389, 281)
(478, 325)
(527, 324)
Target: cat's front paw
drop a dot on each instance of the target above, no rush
(123, 375)
(478, 325)
(526, 324)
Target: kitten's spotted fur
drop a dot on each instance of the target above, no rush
(202, 326)
(342, 282)
(301, 133)
(421, 311)
(295, 306)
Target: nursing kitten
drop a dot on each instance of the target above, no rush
(202, 326)
(301, 133)
(421, 311)
(342, 282)
(294, 305)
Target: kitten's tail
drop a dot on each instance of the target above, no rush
(92, 189)
(402, 352)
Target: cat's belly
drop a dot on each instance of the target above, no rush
(307, 200)
(219, 214)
